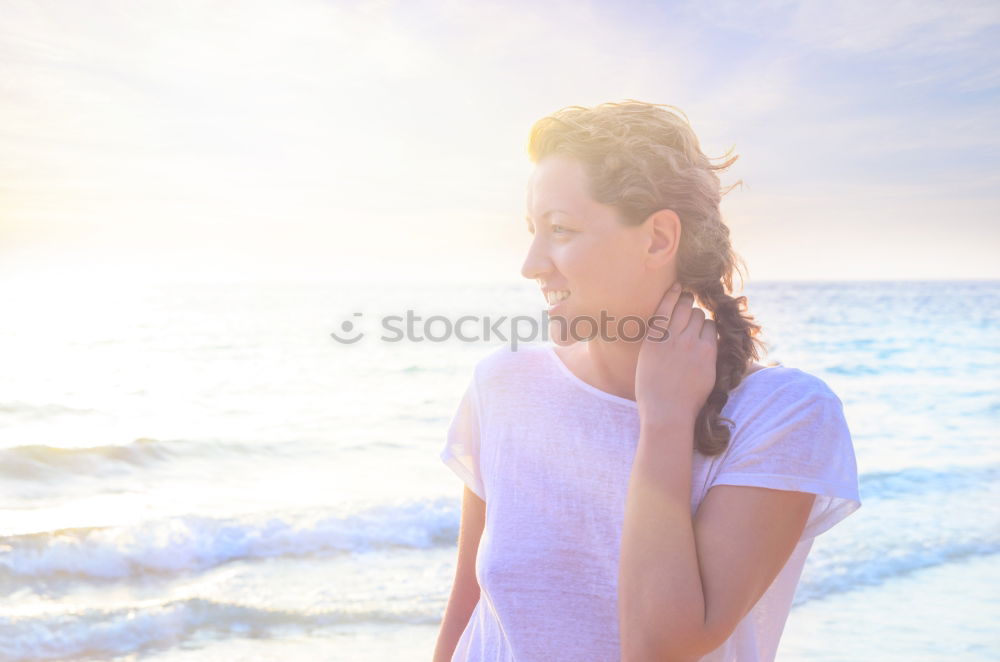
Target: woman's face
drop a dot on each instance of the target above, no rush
(579, 245)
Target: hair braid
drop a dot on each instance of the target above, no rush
(738, 343)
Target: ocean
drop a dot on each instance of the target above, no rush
(201, 472)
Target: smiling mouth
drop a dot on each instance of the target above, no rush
(556, 297)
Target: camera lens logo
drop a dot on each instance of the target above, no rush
(347, 327)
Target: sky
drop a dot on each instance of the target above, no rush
(383, 140)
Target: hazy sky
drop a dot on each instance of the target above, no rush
(309, 139)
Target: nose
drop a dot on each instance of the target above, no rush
(536, 262)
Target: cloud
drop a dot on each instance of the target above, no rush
(922, 42)
(313, 133)
(858, 26)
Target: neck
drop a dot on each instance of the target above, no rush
(614, 365)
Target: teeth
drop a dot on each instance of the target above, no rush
(556, 297)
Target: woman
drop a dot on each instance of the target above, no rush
(643, 491)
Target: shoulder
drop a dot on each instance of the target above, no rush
(786, 417)
(506, 364)
(506, 358)
(780, 386)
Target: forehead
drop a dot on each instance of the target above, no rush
(557, 183)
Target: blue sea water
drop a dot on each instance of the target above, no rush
(200, 472)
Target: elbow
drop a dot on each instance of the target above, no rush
(657, 655)
(666, 637)
(667, 649)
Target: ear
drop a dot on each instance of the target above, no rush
(664, 237)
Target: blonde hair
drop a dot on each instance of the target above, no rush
(642, 157)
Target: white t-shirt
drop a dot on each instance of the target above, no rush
(551, 455)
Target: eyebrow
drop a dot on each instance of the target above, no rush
(547, 214)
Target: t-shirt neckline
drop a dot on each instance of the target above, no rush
(590, 388)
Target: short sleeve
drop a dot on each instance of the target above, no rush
(798, 440)
(461, 449)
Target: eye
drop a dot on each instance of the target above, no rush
(556, 228)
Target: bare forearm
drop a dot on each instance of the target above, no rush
(660, 594)
(456, 619)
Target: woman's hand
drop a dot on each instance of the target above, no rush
(676, 369)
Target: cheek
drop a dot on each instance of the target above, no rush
(577, 265)
(620, 287)
(599, 288)
(602, 275)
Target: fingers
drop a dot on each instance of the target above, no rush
(696, 320)
(691, 320)
(709, 331)
(682, 311)
(663, 319)
(677, 307)
(669, 300)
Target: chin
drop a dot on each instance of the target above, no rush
(564, 320)
(555, 330)
(560, 342)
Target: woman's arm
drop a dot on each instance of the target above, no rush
(465, 590)
(685, 583)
